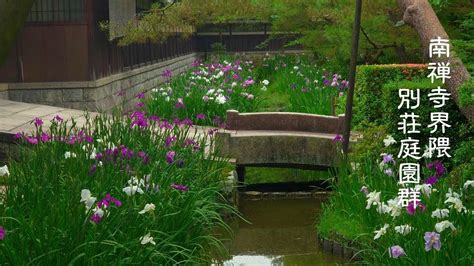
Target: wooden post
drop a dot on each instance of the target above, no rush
(240, 169)
(352, 73)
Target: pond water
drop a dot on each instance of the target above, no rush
(278, 232)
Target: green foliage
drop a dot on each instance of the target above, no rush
(218, 48)
(184, 16)
(277, 83)
(391, 115)
(258, 175)
(13, 15)
(439, 4)
(43, 210)
(349, 215)
(206, 90)
(464, 45)
(370, 79)
(463, 160)
(302, 81)
(326, 28)
(371, 145)
(466, 93)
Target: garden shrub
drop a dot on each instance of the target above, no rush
(368, 103)
(371, 145)
(466, 93)
(391, 114)
(463, 160)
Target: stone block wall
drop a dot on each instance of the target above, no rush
(100, 95)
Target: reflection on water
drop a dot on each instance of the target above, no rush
(281, 232)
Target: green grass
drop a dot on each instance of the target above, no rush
(258, 175)
(335, 223)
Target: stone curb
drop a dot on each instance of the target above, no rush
(336, 248)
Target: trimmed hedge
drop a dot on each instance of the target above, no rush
(368, 102)
(466, 93)
(459, 130)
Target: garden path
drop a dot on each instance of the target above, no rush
(17, 116)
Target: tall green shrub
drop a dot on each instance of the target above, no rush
(368, 102)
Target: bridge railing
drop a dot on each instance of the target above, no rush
(285, 121)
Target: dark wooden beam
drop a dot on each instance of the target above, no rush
(352, 73)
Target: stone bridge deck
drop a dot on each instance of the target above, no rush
(292, 140)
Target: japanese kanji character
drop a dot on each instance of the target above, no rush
(409, 124)
(409, 148)
(439, 97)
(440, 70)
(406, 96)
(439, 47)
(439, 118)
(441, 145)
(409, 173)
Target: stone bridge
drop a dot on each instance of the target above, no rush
(280, 139)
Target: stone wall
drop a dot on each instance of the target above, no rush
(3, 91)
(100, 95)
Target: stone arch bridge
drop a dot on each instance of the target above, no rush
(280, 139)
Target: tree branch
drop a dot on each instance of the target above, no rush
(376, 46)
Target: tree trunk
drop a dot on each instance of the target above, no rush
(420, 15)
(13, 14)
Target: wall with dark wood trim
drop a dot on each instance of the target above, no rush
(48, 52)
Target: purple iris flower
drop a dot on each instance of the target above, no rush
(138, 119)
(18, 135)
(154, 118)
(170, 156)
(388, 158)
(169, 140)
(58, 119)
(196, 63)
(96, 218)
(2, 233)
(179, 103)
(32, 140)
(438, 166)
(396, 251)
(431, 180)
(166, 124)
(92, 170)
(200, 116)
(432, 240)
(248, 82)
(180, 187)
(411, 208)
(89, 139)
(187, 122)
(45, 137)
(212, 131)
(37, 121)
(337, 138)
(167, 73)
